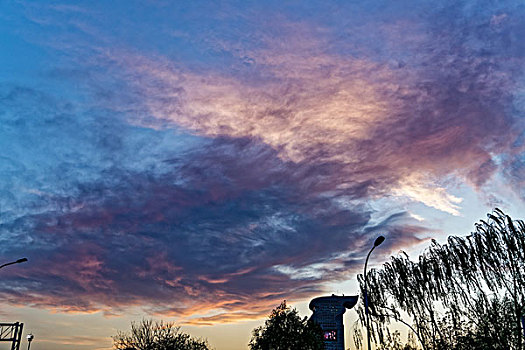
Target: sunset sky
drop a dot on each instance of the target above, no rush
(201, 161)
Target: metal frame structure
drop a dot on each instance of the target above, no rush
(12, 332)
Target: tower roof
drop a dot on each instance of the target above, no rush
(347, 301)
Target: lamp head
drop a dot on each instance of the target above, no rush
(21, 260)
(30, 337)
(379, 240)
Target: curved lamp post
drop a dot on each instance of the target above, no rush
(377, 242)
(30, 338)
(14, 262)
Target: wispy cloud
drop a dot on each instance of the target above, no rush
(382, 123)
(203, 231)
(211, 182)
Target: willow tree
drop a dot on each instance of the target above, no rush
(466, 294)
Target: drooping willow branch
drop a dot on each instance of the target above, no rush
(452, 285)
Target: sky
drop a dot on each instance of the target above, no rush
(201, 161)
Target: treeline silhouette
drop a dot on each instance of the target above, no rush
(283, 330)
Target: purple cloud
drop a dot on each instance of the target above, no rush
(239, 166)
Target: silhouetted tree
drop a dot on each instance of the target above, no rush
(153, 335)
(285, 330)
(466, 294)
(393, 342)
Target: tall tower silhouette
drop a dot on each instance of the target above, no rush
(328, 313)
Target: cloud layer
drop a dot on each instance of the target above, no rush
(212, 181)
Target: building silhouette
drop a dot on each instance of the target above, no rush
(328, 313)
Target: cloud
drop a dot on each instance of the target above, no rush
(212, 190)
(194, 231)
(206, 236)
(441, 112)
(418, 189)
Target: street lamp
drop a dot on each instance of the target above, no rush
(377, 242)
(30, 338)
(14, 262)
